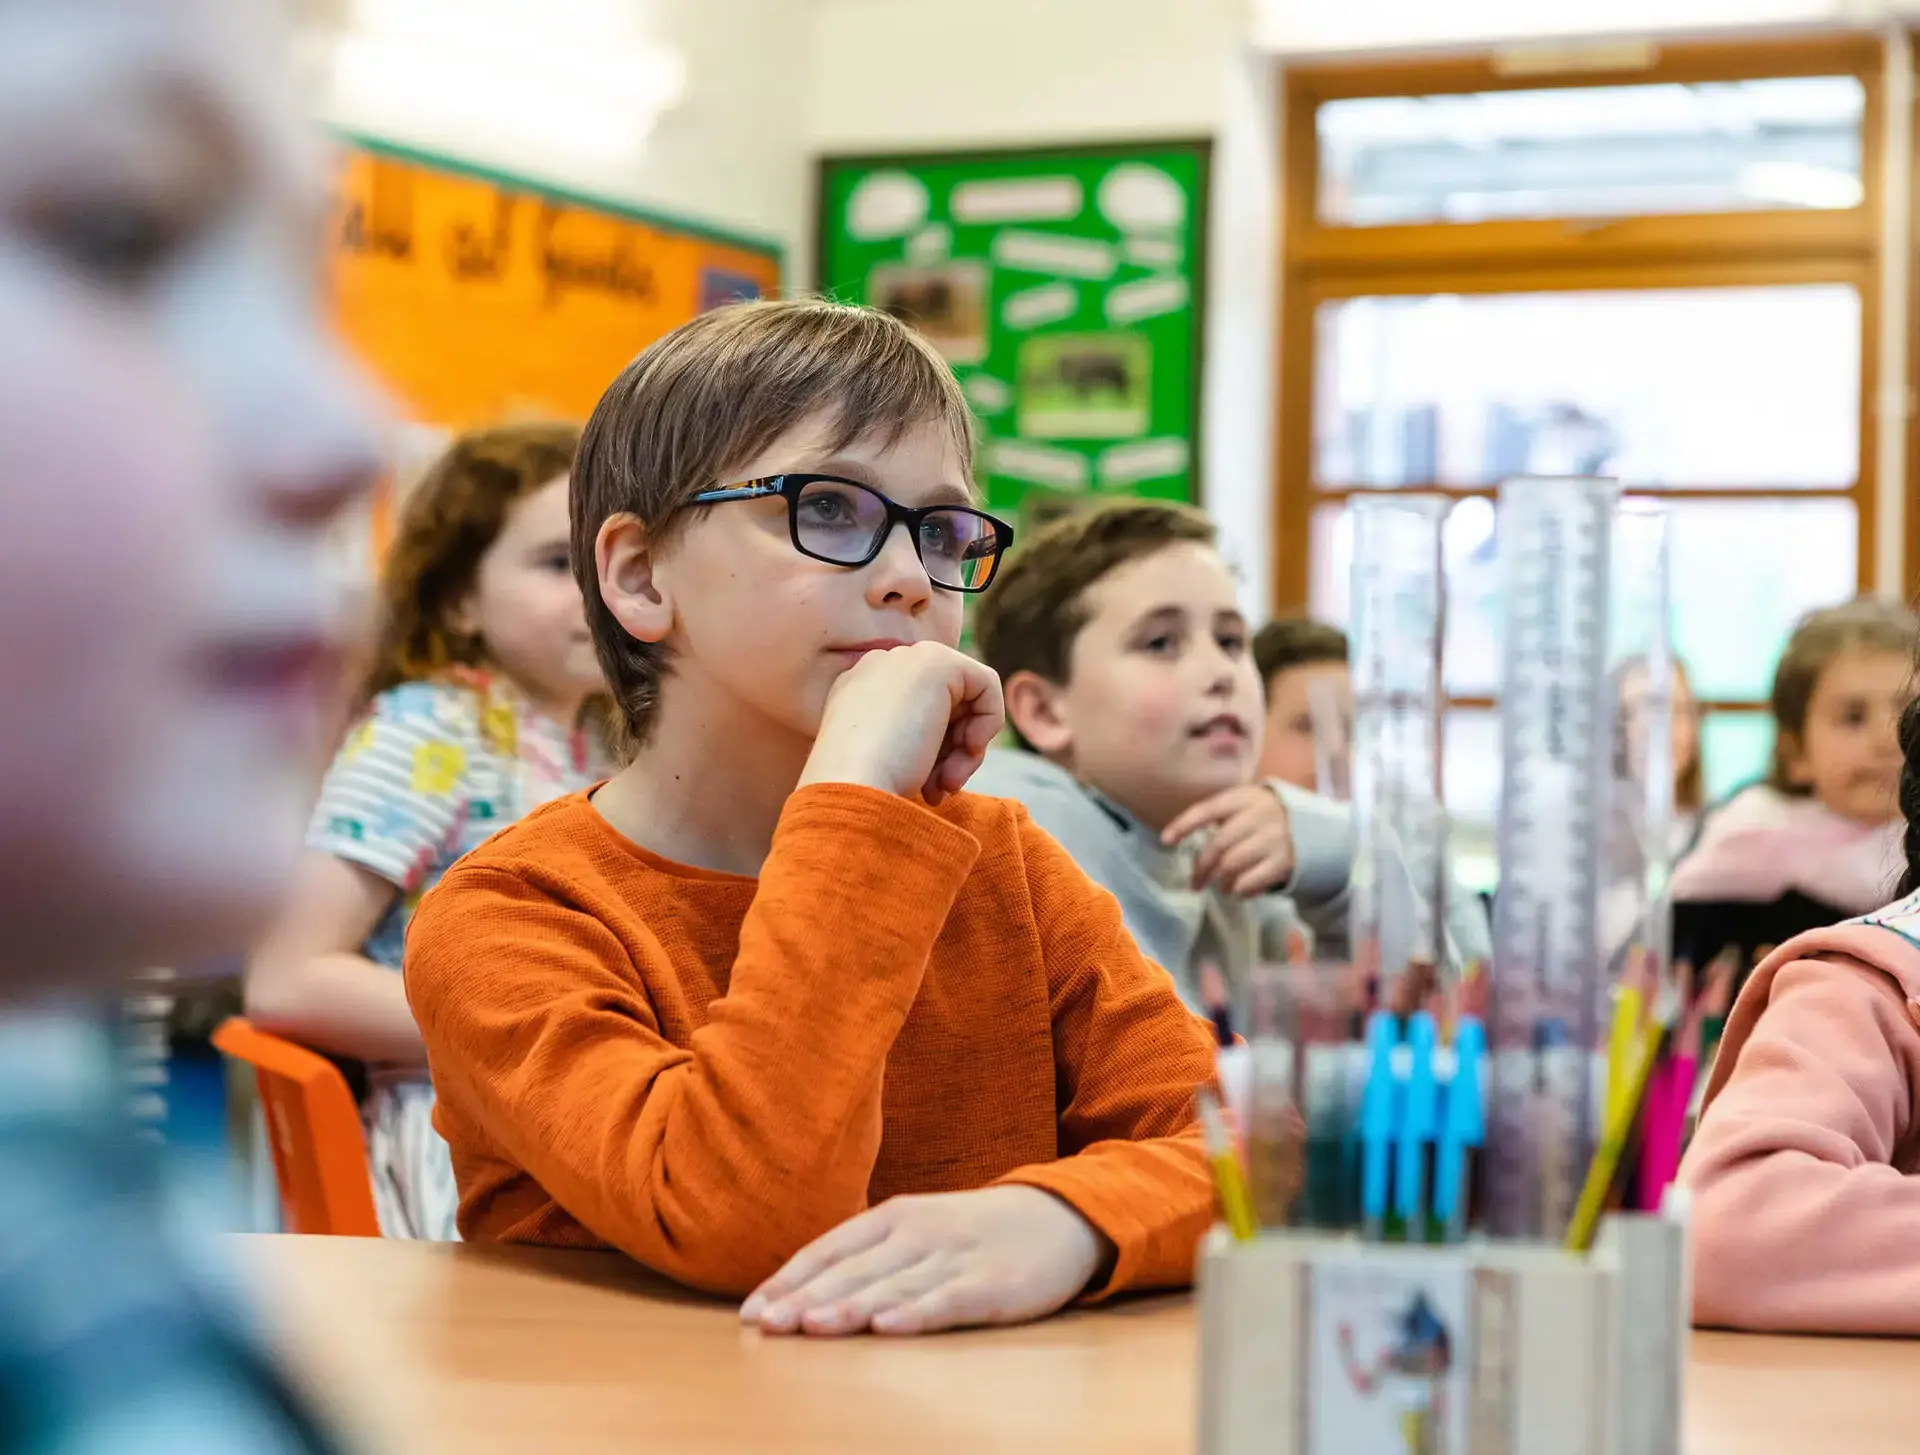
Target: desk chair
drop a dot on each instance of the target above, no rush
(313, 1125)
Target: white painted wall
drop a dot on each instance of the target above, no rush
(735, 151)
(929, 73)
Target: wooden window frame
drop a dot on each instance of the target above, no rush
(1326, 262)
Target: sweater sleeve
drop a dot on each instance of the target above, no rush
(714, 1163)
(1800, 1222)
(1128, 1057)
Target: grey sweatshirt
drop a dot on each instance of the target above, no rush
(1177, 926)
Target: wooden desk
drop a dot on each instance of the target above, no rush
(489, 1351)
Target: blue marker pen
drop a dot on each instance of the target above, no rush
(1463, 1126)
(1379, 1115)
(1419, 1121)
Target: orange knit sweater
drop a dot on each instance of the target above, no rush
(708, 1071)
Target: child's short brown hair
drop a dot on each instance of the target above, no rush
(1296, 641)
(708, 397)
(1028, 619)
(1864, 624)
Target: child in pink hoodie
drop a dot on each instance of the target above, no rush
(1805, 1171)
(1826, 822)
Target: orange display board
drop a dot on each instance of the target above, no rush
(476, 298)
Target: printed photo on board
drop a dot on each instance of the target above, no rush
(1086, 386)
(945, 301)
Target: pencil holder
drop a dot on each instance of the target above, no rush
(1327, 1345)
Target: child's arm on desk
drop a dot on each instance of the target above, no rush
(1125, 1205)
(712, 1163)
(1800, 1223)
(1129, 1056)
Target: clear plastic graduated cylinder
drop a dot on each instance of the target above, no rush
(1548, 977)
(1398, 609)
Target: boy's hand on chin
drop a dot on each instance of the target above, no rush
(914, 1265)
(1251, 848)
(909, 720)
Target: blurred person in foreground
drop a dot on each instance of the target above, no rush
(175, 436)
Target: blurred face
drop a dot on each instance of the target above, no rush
(175, 437)
(761, 632)
(526, 606)
(1290, 754)
(1684, 725)
(1848, 755)
(1162, 703)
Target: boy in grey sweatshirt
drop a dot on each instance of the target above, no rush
(1131, 689)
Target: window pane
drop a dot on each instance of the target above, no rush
(1742, 572)
(1470, 767)
(1734, 750)
(1755, 388)
(1470, 779)
(1598, 151)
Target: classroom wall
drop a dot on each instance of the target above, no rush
(732, 152)
(772, 84)
(932, 74)
(929, 73)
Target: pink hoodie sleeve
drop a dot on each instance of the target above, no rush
(1803, 1221)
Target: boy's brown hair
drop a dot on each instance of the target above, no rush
(1296, 641)
(450, 520)
(1864, 624)
(703, 401)
(1029, 618)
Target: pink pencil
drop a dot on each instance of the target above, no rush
(1667, 1117)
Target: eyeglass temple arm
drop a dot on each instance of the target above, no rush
(753, 490)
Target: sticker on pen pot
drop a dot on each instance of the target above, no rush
(1390, 1356)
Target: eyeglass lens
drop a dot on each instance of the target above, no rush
(846, 523)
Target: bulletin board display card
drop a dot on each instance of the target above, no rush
(476, 297)
(1064, 287)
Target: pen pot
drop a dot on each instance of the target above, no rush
(1330, 1345)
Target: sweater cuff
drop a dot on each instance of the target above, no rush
(1323, 844)
(916, 843)
(1152, 1200)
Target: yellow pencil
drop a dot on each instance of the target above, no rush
(1623, 1111)
(1629, 1005)
(1228, 1180)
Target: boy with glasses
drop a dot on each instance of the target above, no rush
(777, 1010)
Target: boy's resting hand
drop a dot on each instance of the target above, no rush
(910, 720)
(1251, 850)
(913, 1265)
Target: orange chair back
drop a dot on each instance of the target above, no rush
(313, 1124)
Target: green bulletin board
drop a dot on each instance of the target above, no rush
(1063, 285)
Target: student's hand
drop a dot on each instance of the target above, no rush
(1251, 850)
(1001, 1255)
(911, 720)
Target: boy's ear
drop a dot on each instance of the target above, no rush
(623, 561)
(1036, 710)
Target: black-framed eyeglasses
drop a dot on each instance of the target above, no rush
(845, 523)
